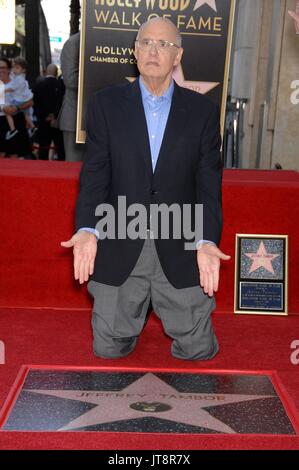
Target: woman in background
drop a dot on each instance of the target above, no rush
(19, 145)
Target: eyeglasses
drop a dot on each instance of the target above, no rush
(161, 44)
(3, 68)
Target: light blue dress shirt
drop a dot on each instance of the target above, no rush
(156, 110)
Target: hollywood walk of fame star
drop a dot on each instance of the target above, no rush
(178, 76)
(262, 259)
(149, 396)
(200, 87)
(200, 3)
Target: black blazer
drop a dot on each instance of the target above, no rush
(48, 96)
(118, 163)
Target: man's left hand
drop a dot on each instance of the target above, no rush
(208, 261)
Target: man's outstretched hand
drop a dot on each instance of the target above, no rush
(208, 261)
(85, 249)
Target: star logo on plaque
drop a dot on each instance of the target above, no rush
(210, 3)
(262, 259)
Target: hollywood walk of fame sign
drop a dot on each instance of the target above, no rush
(108, 33)
(261, 274)
(65, 399)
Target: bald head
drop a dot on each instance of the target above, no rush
(166, 25)
(52, 70)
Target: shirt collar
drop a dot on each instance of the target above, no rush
(147, 95)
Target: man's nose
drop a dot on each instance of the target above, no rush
(154, 49)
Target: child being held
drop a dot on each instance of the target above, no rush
(20, 93)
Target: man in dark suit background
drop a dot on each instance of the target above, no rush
(48, 96)
(67, 118)
(154, 143)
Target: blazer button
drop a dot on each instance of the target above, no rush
(154, 193)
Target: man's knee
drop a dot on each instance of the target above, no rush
(113, 348)
(201, 351)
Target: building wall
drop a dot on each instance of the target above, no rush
(265, 62)
(286, 135)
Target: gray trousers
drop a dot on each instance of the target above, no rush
(119, 313)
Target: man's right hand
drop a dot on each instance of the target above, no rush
(85, 249)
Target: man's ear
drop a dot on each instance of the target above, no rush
(178, 57)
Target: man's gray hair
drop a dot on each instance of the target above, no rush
(166, 20)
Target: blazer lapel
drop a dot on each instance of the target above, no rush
(136, 122)
(174, 128)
